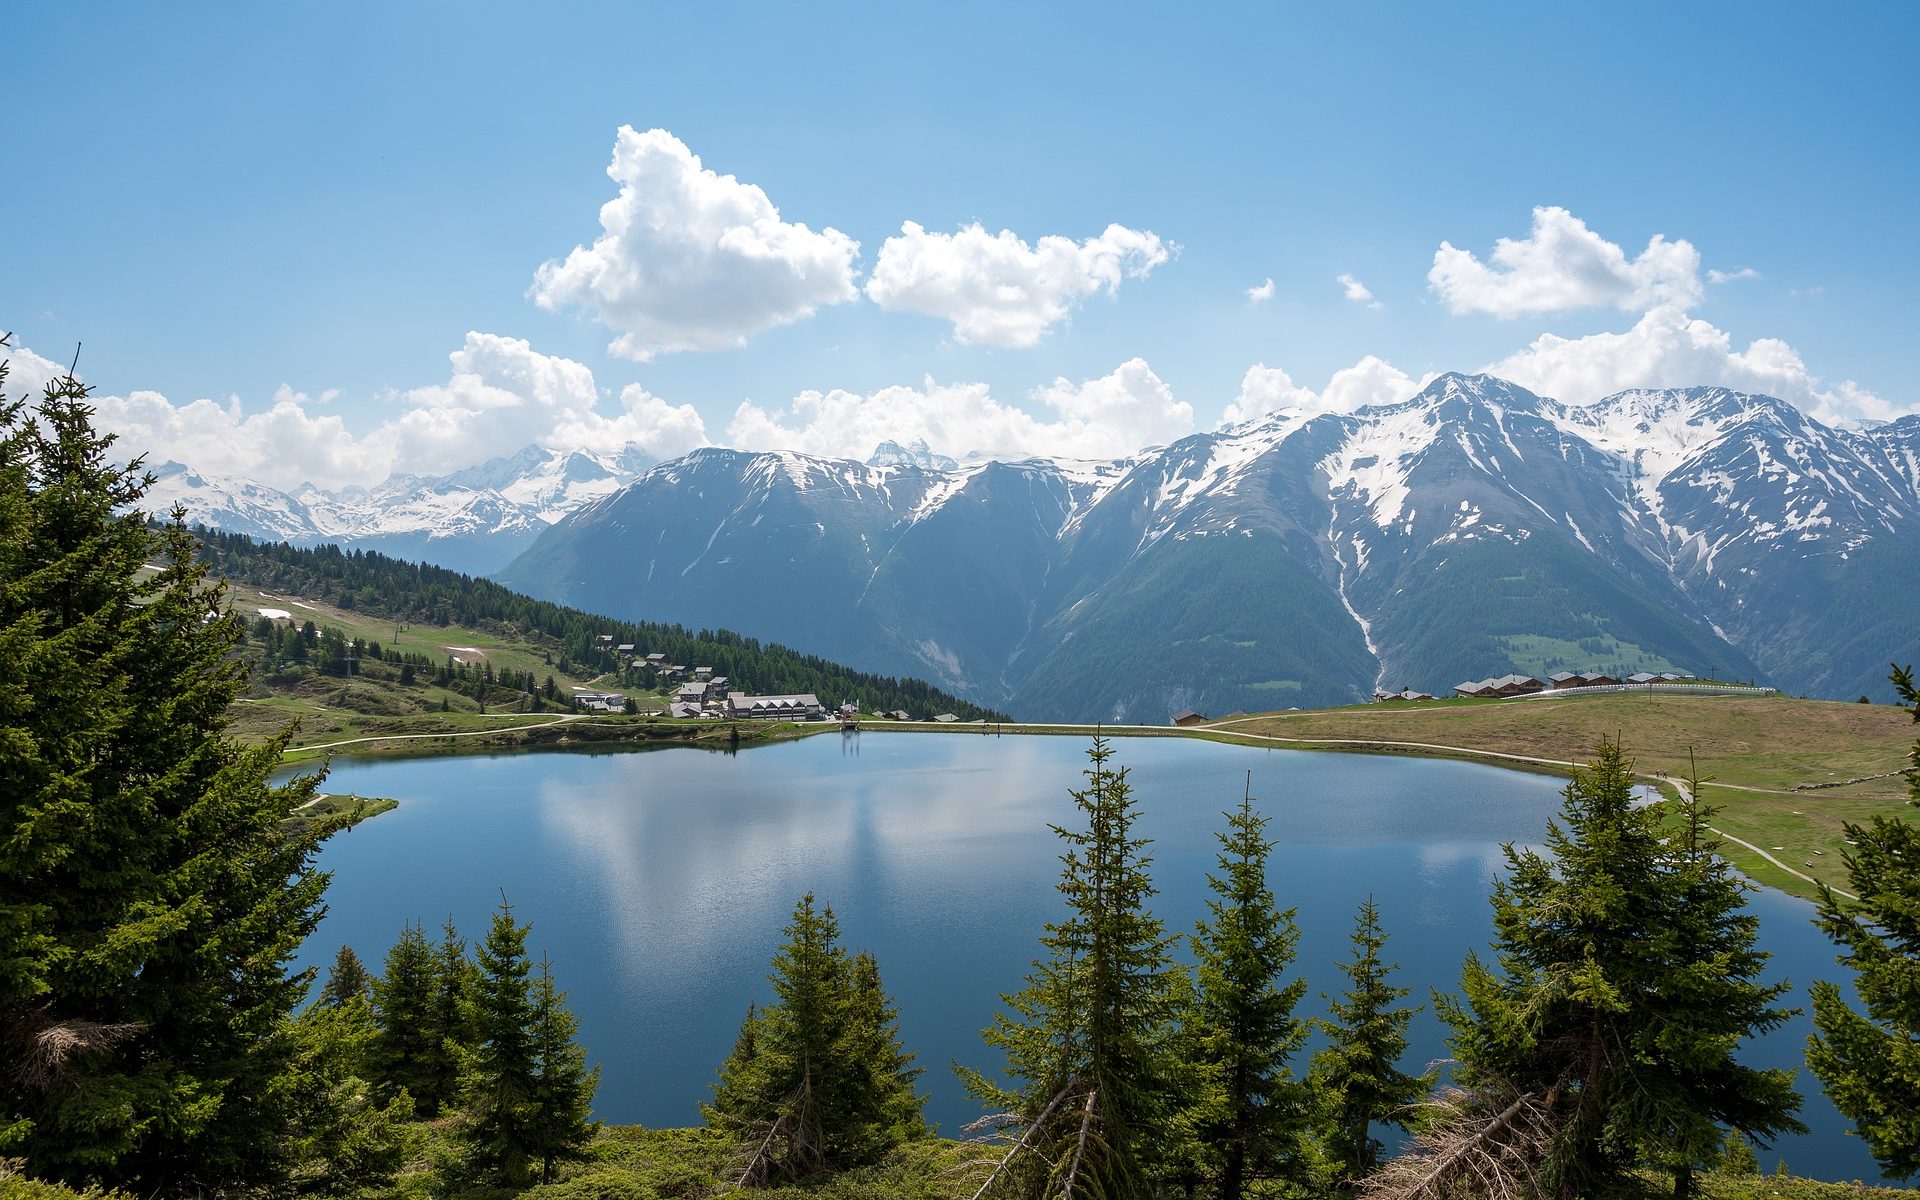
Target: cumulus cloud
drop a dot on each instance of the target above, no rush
(688, 259)
(28, 374)
(1261, 294)
(1109, 417)
(1668, 348)
(1372, 380)
(1561, 264)
(998, 290)
(1356, 291)
(499, 396)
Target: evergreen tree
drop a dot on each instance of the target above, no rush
(563, 1086)
(500, 1133)
(1869, 1062)
(342, 1141)
(733, 1094)
(1246, 1111)
(347, 980)
(403, 1044)
(153, 887)
(818, 1078)
(449, 1023)
(1704, 1000)
(1087, 1041)
(890, 1108)
(1624, 982)
(1356, 1080)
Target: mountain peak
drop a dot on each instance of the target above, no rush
(916, 454)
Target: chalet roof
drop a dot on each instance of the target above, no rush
(1643, 677)
(798, 702)
(1186, 714)
(1564, 676)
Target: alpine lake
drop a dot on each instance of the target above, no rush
(659, 881)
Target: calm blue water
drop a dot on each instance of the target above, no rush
(659, 881)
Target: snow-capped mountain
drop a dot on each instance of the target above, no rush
(1297, 559)
(476, 520)
(916, 454)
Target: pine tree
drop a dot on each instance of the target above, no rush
(500, 1133)
(1356, 1080)
(888, 1108)
(733, 1092)
(1704, 1000)
(1087, 1041)
(342, 1140)
(1625, 980)
(1869, 1062)
(563, 1086)
(817, 1080)
(448, 1023)
(403, 1045)
(347, 980)
(153, 888)
(1247, 1112)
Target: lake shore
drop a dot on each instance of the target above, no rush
(1786, 775)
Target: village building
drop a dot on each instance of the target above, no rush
(804, 706)
(656, 660)
(691, 693)
(612, 702)
(1643, 677)
(624, 649)
(1383, 697)
(1187, 716)
(946, 718)
(1502, 685)
(898, 714)
(683, 711)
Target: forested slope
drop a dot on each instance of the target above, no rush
(421, 594)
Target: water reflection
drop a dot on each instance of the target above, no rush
(659, 881)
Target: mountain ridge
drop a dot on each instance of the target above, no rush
(1293, 559)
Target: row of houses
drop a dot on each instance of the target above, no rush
(656, 662)
(1527, 685)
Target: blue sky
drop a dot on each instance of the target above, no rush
(327, 202)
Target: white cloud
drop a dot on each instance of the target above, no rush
(499, 396)
(1716, 276)
(1562, 264)
(995, 288)
(688, 259)
(1109, 417)
(1356, 291)
(1372, 380)
(1668, 348)
(28, 374)
(1261, 294)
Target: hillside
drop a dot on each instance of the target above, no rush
(1300, 558)
(399, 647)
(1786, 773)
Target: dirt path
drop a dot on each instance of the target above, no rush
(408, 737)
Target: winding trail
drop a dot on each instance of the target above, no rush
(410, 737)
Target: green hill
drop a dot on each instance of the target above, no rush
(378, 647)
